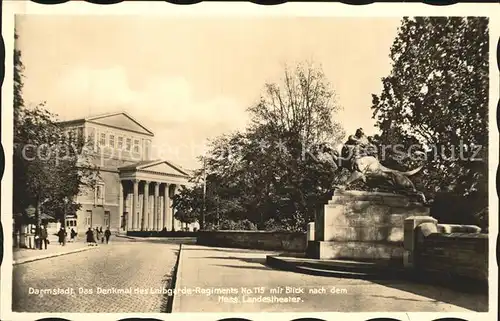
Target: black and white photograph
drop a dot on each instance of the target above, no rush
(292, 163)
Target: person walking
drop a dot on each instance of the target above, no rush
(96, 236)
(90, 236)
(73, 235)
(62, 235)
(44, 237)
(101, 235)
(107, 234)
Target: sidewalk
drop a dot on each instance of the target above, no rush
(216, 269)
(53, 249)
(157, 239)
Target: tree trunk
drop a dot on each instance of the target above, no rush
(38, 217)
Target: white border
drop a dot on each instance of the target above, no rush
(244, 10)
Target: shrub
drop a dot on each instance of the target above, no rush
(245, 224)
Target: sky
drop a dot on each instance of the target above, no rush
(192, 79)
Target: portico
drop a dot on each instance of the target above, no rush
(146, 195)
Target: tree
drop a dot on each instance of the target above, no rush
(266, 172)
(188, 205)
(436, 96)
(50, 166)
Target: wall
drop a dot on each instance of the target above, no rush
(445, 249)
(260, 240)
(462, 254)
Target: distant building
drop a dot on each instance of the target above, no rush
(135, 192)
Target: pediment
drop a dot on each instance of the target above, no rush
(164, 168)
(121, 121)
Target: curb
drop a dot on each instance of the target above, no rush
(176, 278)
(350, 271)
(42, 257)
(126, 237)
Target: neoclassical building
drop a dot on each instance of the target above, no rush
(134, 192)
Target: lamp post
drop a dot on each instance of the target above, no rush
(65, 200)
(204, 194)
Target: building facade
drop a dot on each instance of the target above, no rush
(133, 192)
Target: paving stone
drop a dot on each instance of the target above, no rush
(121, 265)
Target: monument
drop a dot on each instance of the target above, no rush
(364, 225)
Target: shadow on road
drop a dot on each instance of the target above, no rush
(245, 267)
(261, 260)
(472, 301)
(234, 250)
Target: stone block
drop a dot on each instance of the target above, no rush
(365, 234)
(414, 210)
(310, 231)
(410, 224)
(396, 201)
(355, 250)
(456, 228)
(426, 229)
(409, 242)
(363, 224)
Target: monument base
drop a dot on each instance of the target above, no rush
(363, 226)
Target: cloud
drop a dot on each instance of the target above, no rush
(160, 100)
(166, 105)
(99, 88)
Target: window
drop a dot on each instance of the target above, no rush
(112, 141)
(90, 136)
(99, 194)
(102, 141)
(80, 132)
(88, 218)
(70, 136)
(106, 218)
(120, 142)
(79, 135)
(129, 144)
(136, 146)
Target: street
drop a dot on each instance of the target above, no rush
(255, 284)
(128, 276)
(71, 283)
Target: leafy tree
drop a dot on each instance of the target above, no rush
(436, 97)
(50, 167)
(266, 171)
(188, 204)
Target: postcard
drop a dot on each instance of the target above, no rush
(229, 160)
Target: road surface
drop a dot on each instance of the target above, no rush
(97, 280)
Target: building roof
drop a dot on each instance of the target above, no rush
(145, 165)
(111, 119)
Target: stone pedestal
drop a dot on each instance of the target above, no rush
(363, 225)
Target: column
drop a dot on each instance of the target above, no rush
(145, 206)
(151, 211)
(135, 203)
(120, 205)
(129, 210)
(151, 219)
(166, 207)
(156, 216)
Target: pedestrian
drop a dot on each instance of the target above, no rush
(44, 237)
(96, 236)
(62, 235)
(101, 234)
(107, 234)
(90, 237)
(73, 235)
